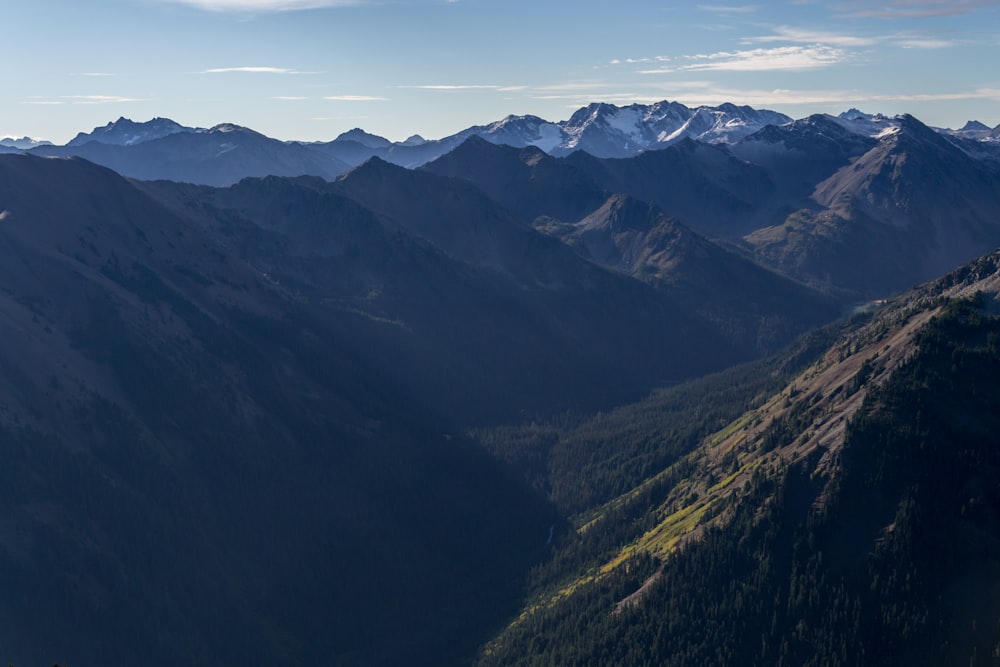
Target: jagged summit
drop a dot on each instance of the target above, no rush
(600, 129)
(126, 132)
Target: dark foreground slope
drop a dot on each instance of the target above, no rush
(851, 519)
(196, 469)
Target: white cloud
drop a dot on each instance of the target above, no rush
(83, 99)
(253, 70)
(100, 99)
(783, 58)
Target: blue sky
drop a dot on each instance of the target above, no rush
(311, 69)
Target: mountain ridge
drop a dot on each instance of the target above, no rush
(808, 475)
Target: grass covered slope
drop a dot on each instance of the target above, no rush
(851, 520)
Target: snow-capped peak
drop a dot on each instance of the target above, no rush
(868, 125)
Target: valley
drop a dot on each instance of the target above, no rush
(653, 385)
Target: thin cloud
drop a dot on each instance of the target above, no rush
(449, 86)
(101, 99)
(783, 58)
(355, 98)
(573, 87)
(806, 36)
(925, 43)
(253, 70)
(911, 8)
(263, 5)
(791, 97)
(84, 99)
(729, 10)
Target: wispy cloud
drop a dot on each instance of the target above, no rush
(263, 5)
(573, 87)
(782, 58)
(806, 36)
(355, 98)
(102, 99)
(928, 43)
(911, 8)
(909, 40)
(83, 99)
(729, 10)
(253, 70)
(451, 86)
(791, 97)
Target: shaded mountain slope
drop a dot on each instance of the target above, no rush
(702, 185)
(197, 469)
(802, 153)
(626, 235)
(751, 302)
(913, 206)
(847, 520)
(860, 208)
(445, 289)
(527, 181)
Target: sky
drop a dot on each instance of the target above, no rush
(311, 69)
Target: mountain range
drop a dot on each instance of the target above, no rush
(257, 396)
(858, 205)
(508, 398)
(224, 154)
